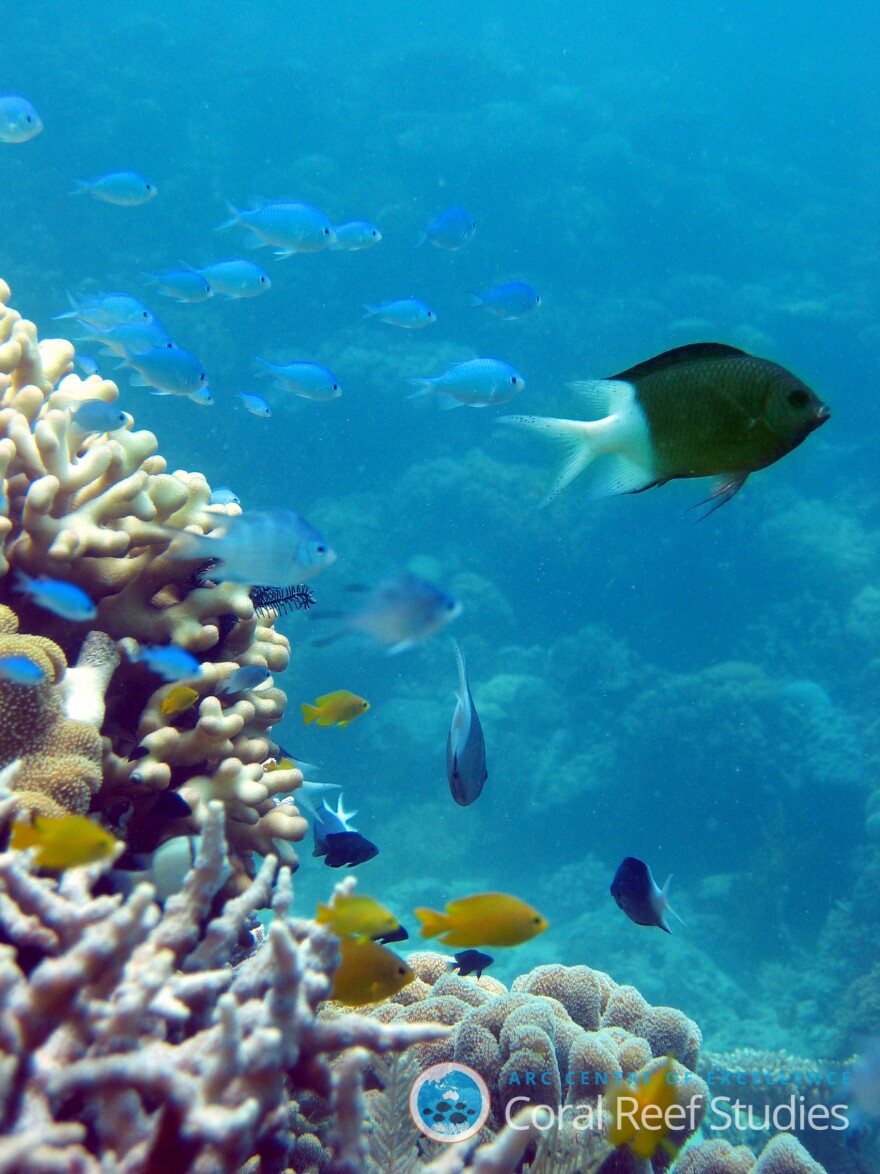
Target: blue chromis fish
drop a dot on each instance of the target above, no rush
(64, 841)
(637, 894)
(96, 415)
(129, 338)
(484, 919)
(355, 235)
(368, 973)
(472, 962)
(513, 299)
(275, 547)
(399, 612)
(127, 189)
(291, 227)
(308, 380)
(249, 676)
(701, 410)
(408, 313)
(183, 285)
(103, 310)
(451, 230)
(236, 278)
(64, 599)
(465, 746)
(478, 383)
(167, 660)
(19, 120)
(223, 495)
(169, 369)
(87, 364)
(21, 670)
(255, 404)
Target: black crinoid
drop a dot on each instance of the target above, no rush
(281, 599)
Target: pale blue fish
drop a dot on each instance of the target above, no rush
(183, 285)
(451, 230)
(19, 670)
(126, 189)
(465, 745)
(478, 383)
(354, 235)
(400, 612)
(236, 279)
(291, 227)
(167, 661)
(409, 313)
(95, 415)
(223, 495)
(513, 299)
(19, 120)
(129, 338)
(103, 310)
(255, 404)
(275, 547)
(201, 396)
(249, 676)
(64, 599)
(168, 369)
(308, 380)
(87, 364)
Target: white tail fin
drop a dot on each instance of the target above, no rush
(574, 434)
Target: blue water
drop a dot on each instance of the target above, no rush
(700, 695)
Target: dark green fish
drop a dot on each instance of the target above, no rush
(703, 410)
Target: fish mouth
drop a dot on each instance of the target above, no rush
(823, 414)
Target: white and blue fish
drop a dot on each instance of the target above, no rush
(167, 369)
(355, 235)
(288, 225)
(398, 613)
(513, 299)
(248, 676)
(167, 661)
(126, 189)
(55, 595)
(103, 310)
(96, 415)
(255, 404)
(236, 278)
(183, 285)
(223, 495)
(308, 380)
(21, 670)
(19, 121)
(408, 313)
(129, 338)
(450, 230)
(477, 383)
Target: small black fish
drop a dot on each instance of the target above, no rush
(465, 746)
(347, 849)
(396, 935)
(472, 962)
(637, 894)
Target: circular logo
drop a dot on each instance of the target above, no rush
(449, 1102)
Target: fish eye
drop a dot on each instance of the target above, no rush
(202, 376)
(262, 281)
(326, 231)
(513, 381)
(149, 187)
(320, 549)
(536, 921)
(799, 399)
(28, 118)
(335, 387)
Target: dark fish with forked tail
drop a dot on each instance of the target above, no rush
(465, 746)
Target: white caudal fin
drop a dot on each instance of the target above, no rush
(574, 434)
(601, 397)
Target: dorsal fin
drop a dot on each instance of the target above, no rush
(690, 353)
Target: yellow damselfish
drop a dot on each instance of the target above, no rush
(643, 1114)
(335, 709)
(180, 698)
(484, 919)
(279, 764)
(357, 915)
(64, 841)
(368, 973)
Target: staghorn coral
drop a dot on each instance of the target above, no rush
(96, 511)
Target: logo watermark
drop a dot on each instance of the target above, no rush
(449, 1102)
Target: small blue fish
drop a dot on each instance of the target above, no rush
(64, 599)
(169, 369)
(308, 380)
(104, 310)
(18, 670)
(451, 230)
(637, 894)
(255, 404)
(129, 338)
(478, 383)
(126, 189)
(249, 676)
(184, 285)
(274, 547)
(223, 495)
(409, 313)
(95, 415)
(167, 661)
(19, 121)
(87, 365)
(400, 612)
(465, 746)
(514, 299)
(290, 226)
(355, 235)
(201, 396)
(236, 279)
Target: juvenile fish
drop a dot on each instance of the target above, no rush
(19, 120)
(408, 313)
(465, 746)
(255, 404)
(236, 279)
(96, 415)
(127, 189)
(354, 235)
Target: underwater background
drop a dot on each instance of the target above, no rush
(702, 696)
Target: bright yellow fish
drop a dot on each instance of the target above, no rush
(279, 764)
(357, 915)
(639, 1110)
(64, 841)
(180, 698)
(368, 973)
(485, 919)
(335, 709)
